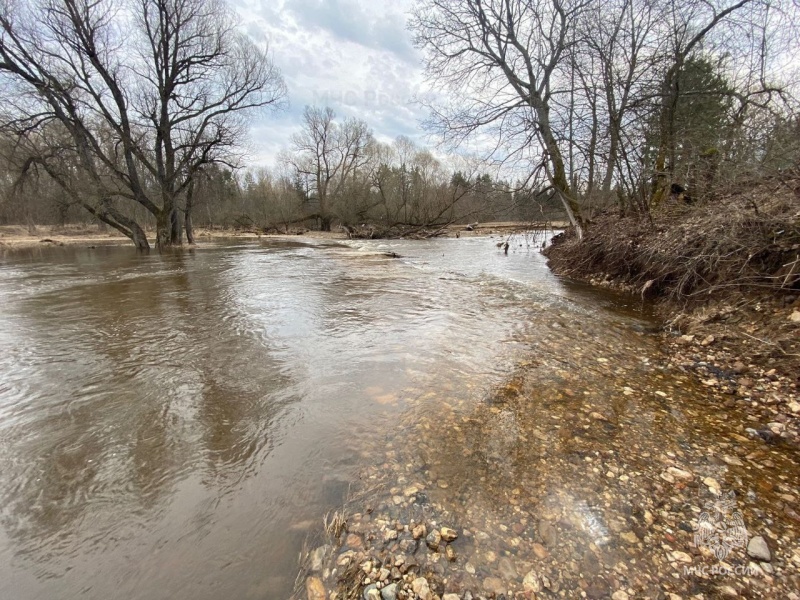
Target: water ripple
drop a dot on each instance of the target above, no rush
(176, 425)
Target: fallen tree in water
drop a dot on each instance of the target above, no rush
(399, 230)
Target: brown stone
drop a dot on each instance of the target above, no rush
(450, 553)
(314, 589)
(448, 535)
(548, 533)
(494, 585)
(540, 551)
(353, 541)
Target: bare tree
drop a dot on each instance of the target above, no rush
(503, 58)
(618, 35)
(127, 102)
(588, 93)
(329, 154)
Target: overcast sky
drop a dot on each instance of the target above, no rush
(355, 56)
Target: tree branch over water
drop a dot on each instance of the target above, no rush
(139, 97)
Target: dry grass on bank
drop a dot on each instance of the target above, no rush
(746, 239)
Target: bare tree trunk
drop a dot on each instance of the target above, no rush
(662, 171)
(558, 180)
(107, 214)
(187, 225)
(612, 158)
(574, 221)
(324, 217)
(187, 215)
(138, 236)
(164, 229)
(590, 186)
(176, 228)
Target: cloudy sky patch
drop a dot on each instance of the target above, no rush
(355, 56)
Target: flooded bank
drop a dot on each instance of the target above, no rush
(176, 426)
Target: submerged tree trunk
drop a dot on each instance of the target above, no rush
(164, 229)
(139, 238)
(109, 215)
(322, 192)
(176, 228)
(187, 215)
(187, 225)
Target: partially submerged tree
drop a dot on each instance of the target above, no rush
(127, 102)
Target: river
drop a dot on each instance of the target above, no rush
(175, 426)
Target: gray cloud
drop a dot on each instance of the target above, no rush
(379, 25)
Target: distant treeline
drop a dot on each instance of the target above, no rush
(397, 184)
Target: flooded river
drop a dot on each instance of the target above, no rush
(176, 426)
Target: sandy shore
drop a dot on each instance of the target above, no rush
(18, 236)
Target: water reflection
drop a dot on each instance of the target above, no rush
(122, 392)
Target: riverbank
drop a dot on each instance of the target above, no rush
(724, 277)
(18, 237)
(561, 484)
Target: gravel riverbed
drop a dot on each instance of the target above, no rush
(616, 476)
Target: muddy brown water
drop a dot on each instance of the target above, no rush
(175, 426)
